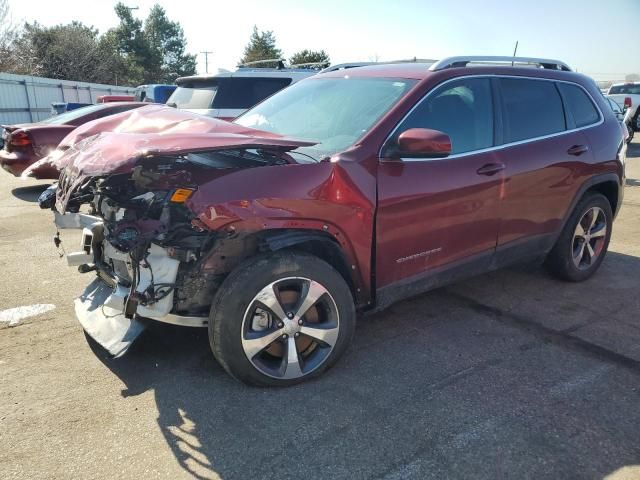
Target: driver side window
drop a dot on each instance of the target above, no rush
(463, 109)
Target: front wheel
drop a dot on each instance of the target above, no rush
(281, 319)
(583, 243)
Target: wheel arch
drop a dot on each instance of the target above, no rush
(225, 255)
(607, 184)
(608, 188)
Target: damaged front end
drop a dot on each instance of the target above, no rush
(141, 239)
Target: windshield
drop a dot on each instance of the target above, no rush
(194, 97)
(632, 89)
(69, 117)
(334, 112)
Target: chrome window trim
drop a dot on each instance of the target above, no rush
(495, 147)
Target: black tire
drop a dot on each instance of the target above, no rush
(635, 123)
(560, 261)
(237, 294)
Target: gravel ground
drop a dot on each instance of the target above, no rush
(508, 375)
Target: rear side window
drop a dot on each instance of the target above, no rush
(462, 109)
(579, 104)
(531, 108)
(242, 93)
(194, 95)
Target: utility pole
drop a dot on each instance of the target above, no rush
(206, 61)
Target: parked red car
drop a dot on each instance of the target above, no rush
(343, 193)
(26, 143)
(115, 98)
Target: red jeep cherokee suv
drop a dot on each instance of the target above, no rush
(345, 192)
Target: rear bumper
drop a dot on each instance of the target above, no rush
(14, 162)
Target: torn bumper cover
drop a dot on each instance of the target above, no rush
(108, 310)
(107, 326)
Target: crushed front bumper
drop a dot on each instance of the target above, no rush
(107, 326)
(102, 309)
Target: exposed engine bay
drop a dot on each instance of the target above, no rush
(150, 252)
(130, 182)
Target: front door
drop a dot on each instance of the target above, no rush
(439, 213)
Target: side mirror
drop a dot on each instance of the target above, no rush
(422, 143)
(172, 104)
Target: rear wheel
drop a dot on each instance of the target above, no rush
(583, 243)
(281, 319)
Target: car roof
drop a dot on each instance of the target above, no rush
(420, 71)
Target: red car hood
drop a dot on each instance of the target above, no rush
(114, 144)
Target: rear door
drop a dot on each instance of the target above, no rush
(437, 213)
(544, 152)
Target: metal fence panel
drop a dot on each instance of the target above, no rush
(24, 98)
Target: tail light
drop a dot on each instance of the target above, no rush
(627, 102)
(19, 139)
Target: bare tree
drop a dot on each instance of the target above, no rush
(8, 34)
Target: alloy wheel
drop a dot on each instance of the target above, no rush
(290, 328)
(589, 238)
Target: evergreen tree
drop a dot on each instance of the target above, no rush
(261, 46)
(310, 56)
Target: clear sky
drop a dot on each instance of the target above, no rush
(596, 37)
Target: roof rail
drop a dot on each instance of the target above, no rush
(344, 66)
(278, 61)
(309, 65)
(453, 62)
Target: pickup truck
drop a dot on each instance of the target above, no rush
(627, 95)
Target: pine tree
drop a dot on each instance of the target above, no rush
(319, 57)
(261, 46)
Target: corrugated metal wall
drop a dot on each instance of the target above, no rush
(24, 98)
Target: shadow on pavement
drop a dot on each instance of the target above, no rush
(30, 193)
(632, 182)
(633, 150)
(481, 380)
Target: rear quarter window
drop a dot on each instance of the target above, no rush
(243, 93)
(531, 108)
(579, 105)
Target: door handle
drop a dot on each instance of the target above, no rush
(578, 150)
(490, 169)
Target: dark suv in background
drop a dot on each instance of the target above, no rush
(345, 192)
